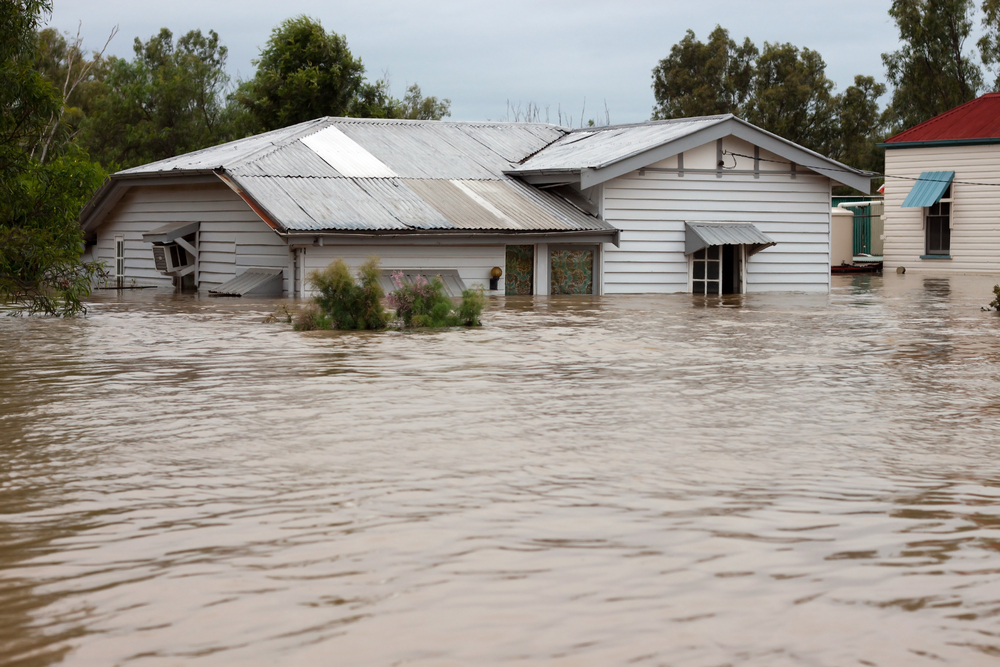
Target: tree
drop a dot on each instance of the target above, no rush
(699, 79)
(40, 239)
(417, 107)
(861, 125)
(792, 97)
(782, 89)
(303, 73)
(65, 65)
(169, 100)
(989, 43)
(932, 72)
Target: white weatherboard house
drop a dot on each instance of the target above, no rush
(706, 205)
(942, 192)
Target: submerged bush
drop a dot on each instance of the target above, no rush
(346, 303)
(343, 302)
(424, 303)
(995, 303)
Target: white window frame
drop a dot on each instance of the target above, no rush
(120, 260)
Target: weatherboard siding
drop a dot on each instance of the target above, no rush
(651, 210)
(975, 222)
(233, 238)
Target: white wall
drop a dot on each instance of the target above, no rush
(473, 262)
(975, 223)
(233, 237)
(651, 209)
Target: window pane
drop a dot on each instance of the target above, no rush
(712, 287)
(713, 270)
(698, 287)
(713, 252)
(699, 270)
(700, 254)
(945, 208)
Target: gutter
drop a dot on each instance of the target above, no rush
(939, 142)
(297, 235)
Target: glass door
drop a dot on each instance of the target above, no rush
(706, 267)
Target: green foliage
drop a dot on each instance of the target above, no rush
(343, 302)
(995, 303)
(417, 107)
(40, 240)
(423, 303)
(861, 125)
(471, 307)
(699, 79)
(168, 100)
(989, 43)
(303, 73)
(27, 100)
(374, 100)
(932, 72)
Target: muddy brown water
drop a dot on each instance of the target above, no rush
(650, 480)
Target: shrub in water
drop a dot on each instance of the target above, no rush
(344, 303)
(423, 303)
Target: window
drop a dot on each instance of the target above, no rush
(938, 226)
(120, 261)
(706, 271)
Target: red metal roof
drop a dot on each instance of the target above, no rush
(978, 119)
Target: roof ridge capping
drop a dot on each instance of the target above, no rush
(421, 121)
(649, 123)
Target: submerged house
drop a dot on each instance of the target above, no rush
(706, 205)
(942, 192)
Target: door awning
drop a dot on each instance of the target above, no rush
(928, 189)
(170, 232)
(698, 235)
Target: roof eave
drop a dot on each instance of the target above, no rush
(932, 143)
(115, 186)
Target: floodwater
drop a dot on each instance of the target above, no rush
(655, 480)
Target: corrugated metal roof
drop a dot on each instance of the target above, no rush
(253, 282)
(371, 174)
(229, 154)
(698, 235)
(978, 119)
(597, 147)
(929, 189)
(294, 159)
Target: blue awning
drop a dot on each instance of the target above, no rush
(929, 189)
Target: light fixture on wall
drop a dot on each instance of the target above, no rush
(495, 274)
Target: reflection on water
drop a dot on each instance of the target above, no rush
(758, 480)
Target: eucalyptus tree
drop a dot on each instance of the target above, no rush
(933, 71)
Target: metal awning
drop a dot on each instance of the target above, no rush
(252, 282)
(170, 232)
(928, 189)
(453, 283)
(698, 235)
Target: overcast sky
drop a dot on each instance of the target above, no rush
(482, 54)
